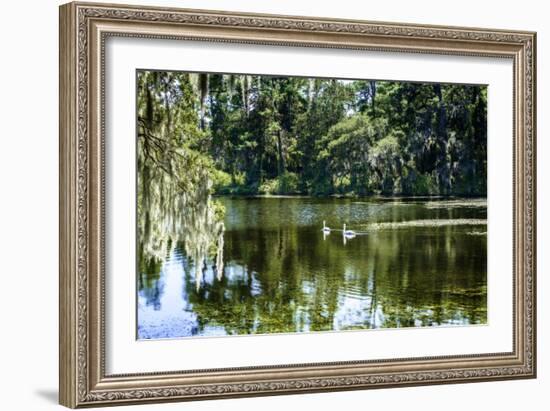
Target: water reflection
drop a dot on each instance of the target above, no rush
(279, 272)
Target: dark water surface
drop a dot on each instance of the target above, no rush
(412, 263)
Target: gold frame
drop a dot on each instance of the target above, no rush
(83, 30)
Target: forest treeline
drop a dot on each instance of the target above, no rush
(249, 134)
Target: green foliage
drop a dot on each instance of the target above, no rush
(424, 185)
(221, 180)
(287, 183)
(176, 179)
(269, 187)
(288, 135)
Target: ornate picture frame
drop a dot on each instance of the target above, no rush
(84, 28)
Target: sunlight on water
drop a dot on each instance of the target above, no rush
(417, 263)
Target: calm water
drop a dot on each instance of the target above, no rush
(412, 263)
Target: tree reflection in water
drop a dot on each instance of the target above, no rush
(281, 275)
(168, 216)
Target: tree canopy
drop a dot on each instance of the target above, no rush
(262, 134)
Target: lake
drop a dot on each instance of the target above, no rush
(412, 263)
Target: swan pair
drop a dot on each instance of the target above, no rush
(345, 233)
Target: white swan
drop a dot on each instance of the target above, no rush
(325, 228)
(348, 233)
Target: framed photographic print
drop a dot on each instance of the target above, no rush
(259, 204)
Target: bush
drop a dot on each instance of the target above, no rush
(225, 184)
(425, 185)
(287, 183)
(269, 187)
(221, 180)
(343, 185)
(322, 188)
(239, 179)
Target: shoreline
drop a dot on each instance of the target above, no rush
(355, 197)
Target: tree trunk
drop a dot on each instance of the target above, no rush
(245, 87)
(280, 153)
(203, 85)
(373, 97)
(444, 165)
